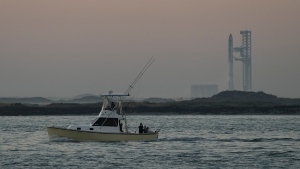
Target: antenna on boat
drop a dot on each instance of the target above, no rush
(139, 75)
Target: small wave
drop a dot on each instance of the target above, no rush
(188, 139)
(195, 139)
(255, 140)
(271, 139)
(279, 154)
(62, 139)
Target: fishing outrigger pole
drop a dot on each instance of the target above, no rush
(139, 75)
(133, 84)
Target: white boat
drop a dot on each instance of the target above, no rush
(108, 125)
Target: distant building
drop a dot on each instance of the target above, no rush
(198, 91)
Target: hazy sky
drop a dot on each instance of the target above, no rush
(63, 48)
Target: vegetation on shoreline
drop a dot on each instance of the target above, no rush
(228, 102)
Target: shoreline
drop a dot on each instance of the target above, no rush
(160, 114)
(225, 103)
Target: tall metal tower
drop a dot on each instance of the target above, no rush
(230, 61)
(245, 58)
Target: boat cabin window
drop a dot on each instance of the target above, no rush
(106, 122)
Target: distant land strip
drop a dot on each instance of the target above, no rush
(91, 109)
(224, 103)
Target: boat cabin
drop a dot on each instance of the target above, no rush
(110, 118)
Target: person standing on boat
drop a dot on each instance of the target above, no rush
(121, 125)
(141, 128)
(112, 105)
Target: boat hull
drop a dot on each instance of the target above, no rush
(98, 136)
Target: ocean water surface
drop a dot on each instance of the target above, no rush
(185, 141)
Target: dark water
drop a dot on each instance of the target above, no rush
(185, 142)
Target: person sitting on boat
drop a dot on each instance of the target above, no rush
(146, 129)
(141, 128)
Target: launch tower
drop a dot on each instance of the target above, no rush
(245, 58)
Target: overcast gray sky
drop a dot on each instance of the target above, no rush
(62, 48)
